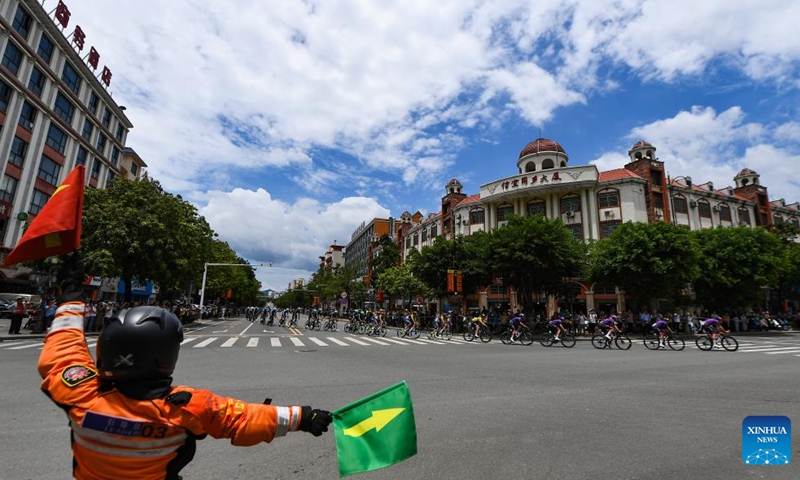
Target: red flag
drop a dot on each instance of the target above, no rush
(56, 230)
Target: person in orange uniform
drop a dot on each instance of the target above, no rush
(127, 420)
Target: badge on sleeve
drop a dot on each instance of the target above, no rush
(77, 374)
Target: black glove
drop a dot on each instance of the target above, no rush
(70, 278)
(314, 421)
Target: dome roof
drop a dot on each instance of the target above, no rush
(640, 144)
(746, 171)
(541, 145)
(455, 182)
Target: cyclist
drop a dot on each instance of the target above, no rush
(713, 327)
(609, 326)
(438, 323)
(515, 322)
(477, 323)
(659, 328)
(557, 323)
(408, 322)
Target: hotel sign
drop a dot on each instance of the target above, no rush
(532, 181)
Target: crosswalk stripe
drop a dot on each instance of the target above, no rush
(189, 339)
(205, 342)
(375, 341)
(229, 342)
(318, 341)
(297, 342)
(433, 342)
(411, 340)
(252, 342)
(337, 341)
(398, 342)
(794, 350)
(766, 349)
(26, 346)
(3, 344)
(275, 342)
(356, 341)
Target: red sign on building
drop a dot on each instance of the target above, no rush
(62, 14)
(106, 76)
(94, 57)
(78, 37)
(5, 210)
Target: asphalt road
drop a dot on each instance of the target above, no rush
(483, 411)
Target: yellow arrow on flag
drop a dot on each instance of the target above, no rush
(378, 420)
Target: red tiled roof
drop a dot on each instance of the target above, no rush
(617, 174)
(541, 145)
(471, 199)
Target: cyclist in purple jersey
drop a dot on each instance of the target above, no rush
(558, 324)
(714, 327)
(609, 325)
(516, 322)
(660, 327)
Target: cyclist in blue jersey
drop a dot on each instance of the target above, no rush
(660, 328)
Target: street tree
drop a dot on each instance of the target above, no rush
(387, 255)
(648, 261)
(400, 282)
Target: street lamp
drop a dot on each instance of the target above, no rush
(205, 273)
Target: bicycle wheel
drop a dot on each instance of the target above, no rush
(704, 342)
(416, 333)
(486, 336)
(568, 341)
(382, 331)
(318, 326)
(401, 332)
(729, 343)
(623, 342)
(525, 338)
(651, 341)
(447, 334)
(676, 344)
(599, 342)
(546, 339)
(469, 335)
(432, 334)
(326, 327)
(505, 337)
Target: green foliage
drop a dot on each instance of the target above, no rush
(648, 261)
(388, 256)
(400, 282)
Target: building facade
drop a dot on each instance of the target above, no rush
(363, 246)
(333, 258)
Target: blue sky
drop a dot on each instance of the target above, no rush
(289, 123)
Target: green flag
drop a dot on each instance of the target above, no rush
(376, 431)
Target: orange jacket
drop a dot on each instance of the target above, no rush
(116, 437)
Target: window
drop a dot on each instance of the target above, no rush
(5, 96)
(655, 178)
(64, 108)
(57, 139)
(476, 216)
(49, 170)
(101, 143)
(658, 200)
(27, 116)
(548, 163)
(704, 209)
(106, 117)
(96, 168)
(536, 207)
(498, 290)
(115, 156)
(45, 49)
(424, 235)
(37, 201)
(796, 222)
(8, 189)
(22, 22)
(19, 148)
(570, 204)
(608, 199)
(80, 157)
(433, 227)
(744, 216)
(680, 205)
(576, 229)
(607, 228)
(725, 213)
(36, 83)
(416, 239)
(408, 242)
(777, 218)
(93, 103)
(503, 211)
(12, 58)
(120, 131)
(71, 78)
(111, 177)
(88, 128)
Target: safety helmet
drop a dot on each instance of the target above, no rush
(139, 343)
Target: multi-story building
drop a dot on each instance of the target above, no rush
(297, 283)
(592, 204)
(54, 114)
(132, 166)
(333, 258)
(363, 246)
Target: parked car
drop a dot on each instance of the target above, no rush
(5, 309)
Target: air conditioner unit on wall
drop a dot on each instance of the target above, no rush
(715, 208)
(569, 213)
(692, 203)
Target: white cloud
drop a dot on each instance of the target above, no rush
(777, 168)
(789, 131)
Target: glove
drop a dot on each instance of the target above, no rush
(314, 421)
(70, 278)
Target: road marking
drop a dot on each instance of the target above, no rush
(356, 341)
(189, 339)
(793, 350)
(297, 342)
(394, 341)
(3, 344)
(430, 341)
(275, 342)
(246, 329)
(375, 341)
(229, 342)
(337, 341)
(26, 346)
(318, 341)
(205, 342)
(766, 349)
(409, 340)
(90, 345)
(253, 342)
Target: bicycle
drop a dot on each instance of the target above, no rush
(510, 336)
(483, 332)
(705, 343)
(331, 324)
(443, 334)
(622, 342)
(376, 330)
(651, 342)
(547, 339)
(411, 331)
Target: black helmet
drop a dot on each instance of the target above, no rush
(139, 343)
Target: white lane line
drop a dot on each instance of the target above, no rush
(229, 342)
(375, 341)
(764, 350)
(31, 345)
(252, 342)
(275, 342)
(297, 342)
(434, 342)
(189, 339)
(205, 342)
(356, 341)
(4, 345)
(409, 340)
(386, 339)
(318, 341)
(794, 350)
(337, 341)
(246, 329)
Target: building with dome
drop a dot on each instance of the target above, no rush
(592, 204)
